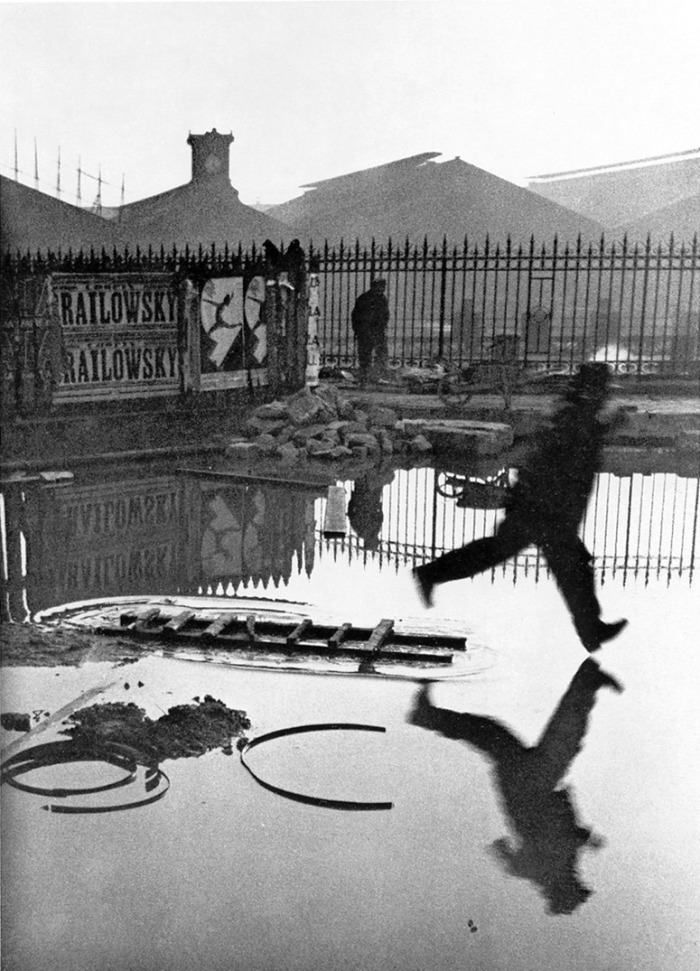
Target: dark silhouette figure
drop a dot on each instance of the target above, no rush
(545, 507)
(540, 810)
(370, 317)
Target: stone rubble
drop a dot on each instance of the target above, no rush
(324, 425)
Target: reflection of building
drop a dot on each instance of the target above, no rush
(154, 535)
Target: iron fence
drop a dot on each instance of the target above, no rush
(547, 308)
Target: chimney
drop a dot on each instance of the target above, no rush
(210, 157)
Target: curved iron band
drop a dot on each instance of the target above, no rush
(60, 753)
(298, 796)
(138, 804)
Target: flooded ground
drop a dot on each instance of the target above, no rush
(219, 872)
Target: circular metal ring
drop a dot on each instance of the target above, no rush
(301, 797)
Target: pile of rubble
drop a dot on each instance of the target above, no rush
(323, 424)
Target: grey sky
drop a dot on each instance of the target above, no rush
(315, 89)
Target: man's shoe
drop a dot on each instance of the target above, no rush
(423, 586)
(606, 632)
(597, 678)
(602, 633)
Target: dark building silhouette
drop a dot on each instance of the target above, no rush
(32, 220)
(205, 210)
(416, 197)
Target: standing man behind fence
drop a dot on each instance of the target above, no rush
(370, 317)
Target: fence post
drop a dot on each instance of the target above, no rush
(313, 349)
(443, 289)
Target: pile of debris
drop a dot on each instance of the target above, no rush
(184, 731)
(323, 424)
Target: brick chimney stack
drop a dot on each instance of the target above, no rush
(210, 157)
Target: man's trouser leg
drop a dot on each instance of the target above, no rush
(572, 566)
(478, 556)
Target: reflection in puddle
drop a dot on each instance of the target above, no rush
(541, 812)
(147, 783)
(123, 736)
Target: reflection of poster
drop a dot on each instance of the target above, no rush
(233, 338)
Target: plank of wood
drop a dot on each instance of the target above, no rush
(338, 636)
(178, 621)
(299, 631)
(315, 484)
(218, 625)
(144, 617)
(380, 634)
(334, 522)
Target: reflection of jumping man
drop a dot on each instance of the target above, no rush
(540, 810)
(545, 507)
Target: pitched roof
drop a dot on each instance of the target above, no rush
(682, 219)
(417, 197)
(198, 214)
(625, 192)
(32, 220)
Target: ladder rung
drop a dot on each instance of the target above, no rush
(299, 631)
(178, 621)
(380, 634)
(218, 625)
(339, 636)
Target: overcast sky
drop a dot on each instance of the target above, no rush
(311, 90)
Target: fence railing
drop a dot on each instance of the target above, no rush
(548, 308)
(543, 307)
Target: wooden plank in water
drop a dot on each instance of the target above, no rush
(178, 621)
(334, 522)
(380, 634)
(315, 484)
(338, 636)
(218, 625)
(299, 631)
(142, 618)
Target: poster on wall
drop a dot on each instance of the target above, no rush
(120, 334)
(233, 336)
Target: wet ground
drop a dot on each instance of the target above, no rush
(578, 848)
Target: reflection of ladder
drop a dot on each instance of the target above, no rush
(259, 633)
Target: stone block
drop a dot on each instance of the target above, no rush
(288, 454)
(242, 450)
(262, 426)
(420, 445)
(385, 417)
(460, 436)
(305, 408)
(275, 410)
(266, 444)
(364, 440)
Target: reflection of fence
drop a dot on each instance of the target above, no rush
(639, 525)
(635, 306)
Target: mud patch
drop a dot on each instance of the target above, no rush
(185, 731)
(31, 645)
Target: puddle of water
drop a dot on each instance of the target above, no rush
(222, 873)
